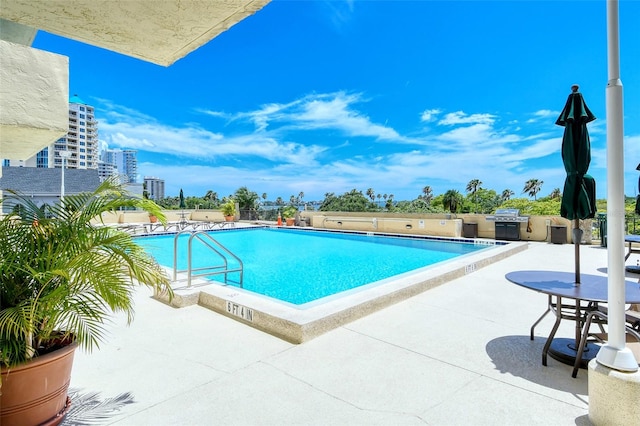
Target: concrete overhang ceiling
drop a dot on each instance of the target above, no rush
(157, 31)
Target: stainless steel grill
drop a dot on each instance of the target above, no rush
(508, 215)
(507, 222)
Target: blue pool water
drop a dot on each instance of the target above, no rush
(299, 266)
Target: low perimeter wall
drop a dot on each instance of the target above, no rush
(537, 228)
(171, 215)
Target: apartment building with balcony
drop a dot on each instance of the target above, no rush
(81, 140)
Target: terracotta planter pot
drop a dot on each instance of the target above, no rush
(229, 218)
(35, 393)
(291, 221)
(153, 219)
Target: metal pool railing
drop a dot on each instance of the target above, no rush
(217, 248)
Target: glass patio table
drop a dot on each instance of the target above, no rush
(582, 298)
(631, 239)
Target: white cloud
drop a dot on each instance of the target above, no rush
(339, 13)
(201, 144)
(429, 115)
(275, 153)
(543, 114)
(219, 114)
(460, 117)
(320, 111)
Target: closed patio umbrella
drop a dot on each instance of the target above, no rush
(638, 196)
(182, 204)
(579, 195)
(182, 207)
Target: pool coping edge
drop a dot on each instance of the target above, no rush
(298, 325)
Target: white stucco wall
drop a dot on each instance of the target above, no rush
(34, 99)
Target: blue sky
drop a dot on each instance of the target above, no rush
(327, 96)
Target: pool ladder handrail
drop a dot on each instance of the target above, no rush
(212, 270)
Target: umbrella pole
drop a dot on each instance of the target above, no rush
(577, 237)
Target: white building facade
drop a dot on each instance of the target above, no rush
(154, 187)
(124, 163)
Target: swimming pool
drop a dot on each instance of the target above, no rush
(298, 266)
(300, 283)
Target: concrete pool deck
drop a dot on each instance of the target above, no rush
(458, 354)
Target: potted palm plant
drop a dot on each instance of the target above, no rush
(61, 278)
(229, 210)
(289, 214)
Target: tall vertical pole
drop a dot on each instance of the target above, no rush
(64, 159)
(614, 354)
(64, 155)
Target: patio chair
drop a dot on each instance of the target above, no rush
(632, 333)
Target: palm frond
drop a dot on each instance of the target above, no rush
(90, 409)
(62, 274)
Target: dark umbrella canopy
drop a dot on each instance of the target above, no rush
(182, 204)
(579, 195)
(638, 196)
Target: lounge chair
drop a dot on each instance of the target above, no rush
(632, 333)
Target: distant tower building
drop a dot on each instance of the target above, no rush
(127, 164)
(121, 162)
(81, 141)
(82, 138)
(154, 187)
(106, 170)
(108, 156)
(42, 159)
(107, 165)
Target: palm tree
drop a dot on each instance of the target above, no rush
(292, 199)
(264, 196)
(532, 187)
(371, 194)
(473, 186)
(556, 193)
(507, 194)
(427, 194)
(279, 201)
(389, 204)
(451, 200)
(247, 202)
(211, 197)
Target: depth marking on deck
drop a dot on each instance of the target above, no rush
(240, 311)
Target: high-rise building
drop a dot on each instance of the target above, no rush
(125, 162)
(106, 170)
(81, 140)
(154, 187)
